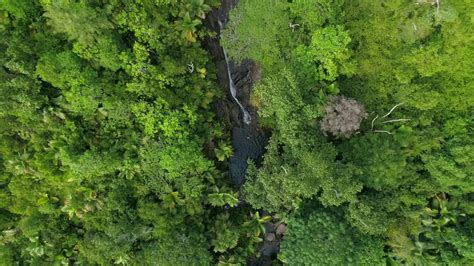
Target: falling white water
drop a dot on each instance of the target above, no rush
(233, 89)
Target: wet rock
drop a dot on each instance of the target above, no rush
(270, 248)
(269, 227)
(270, 237)
(248, 143)
(281, 229)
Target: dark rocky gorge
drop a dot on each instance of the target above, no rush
(248, 137)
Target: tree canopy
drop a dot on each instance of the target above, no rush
(409, 64)
(111, 151)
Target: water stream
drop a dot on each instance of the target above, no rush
(248, 139)
(233, 89)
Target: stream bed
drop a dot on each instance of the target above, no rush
(248, 137)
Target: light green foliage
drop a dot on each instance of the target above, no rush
(19, 9)
(223, 152)
(368, 216)
(256, 30)
(78, 21)
(177, 175)
(159, 119)
(340, 187)
(453, 170)
(220, 199)
(275, 188)
(314, 14)
(327, 55)
(286, 106)
(79, 83)
(235, 236)
(88, 27)
(321, 238)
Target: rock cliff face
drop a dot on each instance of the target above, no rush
(248, 139)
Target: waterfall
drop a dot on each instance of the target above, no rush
(233, 89)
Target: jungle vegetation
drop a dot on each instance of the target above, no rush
(111, 151)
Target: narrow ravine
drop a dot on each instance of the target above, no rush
(248, 137)
(233, 89)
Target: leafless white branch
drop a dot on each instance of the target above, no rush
(293, 26)
(373, 121)
(383, 131)
(391, 110)
(396, 120)
(191, 68)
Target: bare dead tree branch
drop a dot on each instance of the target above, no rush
(391, 110)
(373, 121)
(383, 131)
(284, 169)
(293, 26)
(396, 120)
(191, 68)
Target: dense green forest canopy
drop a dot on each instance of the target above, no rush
(102, 133)
(111, 151)
(405, 173)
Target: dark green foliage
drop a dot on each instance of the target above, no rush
(324, 238)
(441, 234)
(182, 248)
(103, 130)
(110, 153)
(379, 160)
